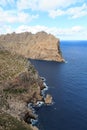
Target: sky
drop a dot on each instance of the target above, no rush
(66, 19)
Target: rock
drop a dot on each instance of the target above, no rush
(29, 116)
(34, 127)
(41, 45)
(23, 87)
(48, 99)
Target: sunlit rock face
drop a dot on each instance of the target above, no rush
(41, 45)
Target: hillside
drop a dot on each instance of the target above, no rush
(19, 85)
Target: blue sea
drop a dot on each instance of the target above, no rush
(67, 83)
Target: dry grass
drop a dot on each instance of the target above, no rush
(18, 82)
(8, 122)
(10, 65)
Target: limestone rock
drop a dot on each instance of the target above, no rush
(48, 99)
(41, 45)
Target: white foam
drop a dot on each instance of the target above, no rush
(66, 62)
(39, 103)
(43, 79)
(46, 87)
(34, 122)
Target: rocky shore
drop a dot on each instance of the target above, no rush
(20, 85)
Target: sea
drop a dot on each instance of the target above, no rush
(67, 83)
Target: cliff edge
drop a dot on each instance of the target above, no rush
(20, 85)
(41, 45)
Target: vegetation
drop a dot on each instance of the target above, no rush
(32, 69)
(7, 122)
(18, 84)
(10, 65)
(15, 91)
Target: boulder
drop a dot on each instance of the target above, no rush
(48, 99)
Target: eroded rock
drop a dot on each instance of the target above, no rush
(48, 99)
(41, 45)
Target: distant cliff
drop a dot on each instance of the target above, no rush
(35, 46)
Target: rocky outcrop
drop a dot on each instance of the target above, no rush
(41, 45)
(48, 99)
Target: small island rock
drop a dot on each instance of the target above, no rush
(48, 99)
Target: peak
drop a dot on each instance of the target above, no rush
(42, 32)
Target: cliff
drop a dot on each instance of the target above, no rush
(35, 46)
(20, 84)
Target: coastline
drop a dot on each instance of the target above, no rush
(21, 89)
(20, 83)
(47, 100)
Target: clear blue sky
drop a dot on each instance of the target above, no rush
(66, 19)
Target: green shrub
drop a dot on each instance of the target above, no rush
(15, 91)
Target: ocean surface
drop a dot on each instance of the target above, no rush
(67, 84)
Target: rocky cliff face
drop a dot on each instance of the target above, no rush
(35, 46)
(20, 84)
